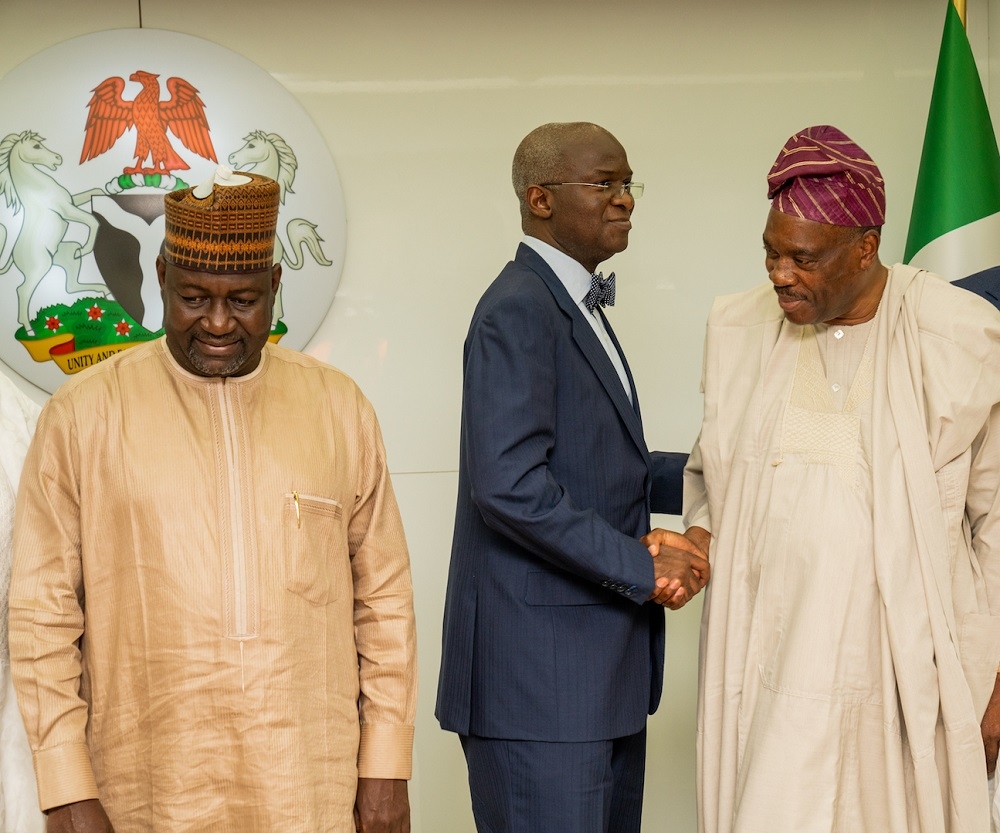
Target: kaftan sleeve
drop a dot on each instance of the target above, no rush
(385, 630)
(695, 493)
(46, 612)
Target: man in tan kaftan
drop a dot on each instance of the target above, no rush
(211, 612)
(847, 471)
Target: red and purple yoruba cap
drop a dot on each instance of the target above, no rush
(822, 175)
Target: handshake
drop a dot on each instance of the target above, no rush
(680, 562)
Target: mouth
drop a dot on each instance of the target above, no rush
(788, 303)
(216, 348)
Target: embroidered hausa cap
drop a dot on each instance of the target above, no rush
(226, 224)
(822, 175)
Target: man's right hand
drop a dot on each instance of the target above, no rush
(681, 567)
(80, 817)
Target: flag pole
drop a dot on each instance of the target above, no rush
(960, 6)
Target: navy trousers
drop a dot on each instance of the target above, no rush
(523, 786)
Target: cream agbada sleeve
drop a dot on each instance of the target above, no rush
(384, 628)
(46, 611)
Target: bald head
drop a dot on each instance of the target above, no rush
(544, 155)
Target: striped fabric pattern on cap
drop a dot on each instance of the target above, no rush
(821, 174)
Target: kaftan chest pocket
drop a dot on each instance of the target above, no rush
(315, 543)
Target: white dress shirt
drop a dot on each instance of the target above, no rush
(576, 279)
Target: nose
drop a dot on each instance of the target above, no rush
(626, 199)
(216, 319)
(780, 271)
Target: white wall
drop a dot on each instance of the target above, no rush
(422, 105)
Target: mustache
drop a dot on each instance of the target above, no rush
(215, 341)
(785, 293)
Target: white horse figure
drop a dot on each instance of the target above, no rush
(270, 155)
(48, 210)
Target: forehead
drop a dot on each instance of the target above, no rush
(596, 153)
(217, 283)
(786, 232)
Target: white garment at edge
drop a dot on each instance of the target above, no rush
(19, 811)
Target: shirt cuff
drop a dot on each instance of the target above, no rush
(386, 751)
(64, 775)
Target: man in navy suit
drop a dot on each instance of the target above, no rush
(553, 642)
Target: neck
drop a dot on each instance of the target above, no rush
(866, 306)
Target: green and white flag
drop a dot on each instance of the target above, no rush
(955, 222)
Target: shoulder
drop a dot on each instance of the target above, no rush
(283, 361)
(309, 377)
(16, 408)
(951, 313)
(518, 296)
(518, 279)
(986, 284)
(745, 309)
(111, 373)
(18, 415)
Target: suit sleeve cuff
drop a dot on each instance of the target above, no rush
(64, 775)
(386, 751)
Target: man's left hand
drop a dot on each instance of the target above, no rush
(382, 806)
(991, 728)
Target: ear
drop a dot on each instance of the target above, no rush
(275, 276)
(869, 244)
(538, 200)
(161, 270)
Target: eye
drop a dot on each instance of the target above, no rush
(243, 303)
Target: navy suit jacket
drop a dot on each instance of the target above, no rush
(547, 635)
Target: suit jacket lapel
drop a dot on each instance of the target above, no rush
(628, 370)
(591, 347)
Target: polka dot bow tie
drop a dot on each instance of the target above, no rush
(602, 292)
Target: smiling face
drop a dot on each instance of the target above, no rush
(216, 324)
(823, 273)
(588, 224)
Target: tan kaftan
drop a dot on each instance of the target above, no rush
(851, 631)
(211, 620)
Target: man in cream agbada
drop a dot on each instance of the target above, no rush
(847, 477)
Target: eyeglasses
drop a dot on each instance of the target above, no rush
(634, 189)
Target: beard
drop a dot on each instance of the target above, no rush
(211, 367)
